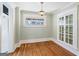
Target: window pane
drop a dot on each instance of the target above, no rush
(62, 20)
(71, 37)
(70, 29)
(66, 29)
(66, 39)
(70, 19)
(59, 19)
(62, 29)
(62, 37)
(66, 19)
(70, 41)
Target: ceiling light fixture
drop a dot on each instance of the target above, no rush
(42, 12)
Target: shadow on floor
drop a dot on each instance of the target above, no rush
(4, 54)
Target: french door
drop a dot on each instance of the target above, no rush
(66, 29)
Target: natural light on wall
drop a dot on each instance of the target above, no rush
(34, 20)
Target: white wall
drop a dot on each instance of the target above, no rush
(78, 25)
(54, 26)
(12, 26)
(17, 25)
(35, 32)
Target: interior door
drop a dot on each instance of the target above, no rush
(5, 33)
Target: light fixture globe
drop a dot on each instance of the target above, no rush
(41, 12)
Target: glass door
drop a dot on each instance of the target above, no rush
(61, 28)
(66, 29)
(69, 29)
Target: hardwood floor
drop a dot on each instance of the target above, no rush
(47, 48)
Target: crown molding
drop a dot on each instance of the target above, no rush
(72, 5)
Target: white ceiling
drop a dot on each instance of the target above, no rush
(47, 6)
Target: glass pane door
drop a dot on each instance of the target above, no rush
(69, 29)
(61, 29)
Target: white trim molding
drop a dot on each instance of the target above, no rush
(75, 51)
(31, 41)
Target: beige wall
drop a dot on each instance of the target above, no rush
(33, 33)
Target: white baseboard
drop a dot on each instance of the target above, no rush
(76, 52)
(12, 50)
(31, 41)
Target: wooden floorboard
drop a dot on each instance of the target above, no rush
(47, 48)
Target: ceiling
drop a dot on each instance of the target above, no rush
(47, 6)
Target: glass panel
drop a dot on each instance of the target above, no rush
(59, 19)
(70, 19)
(59, 36)
(70, 29)
(66, 29)
(62, 29)
(66, 19)
(71, 37)
(62, 37)
(70, 41)
(62, 20)
(66, 39)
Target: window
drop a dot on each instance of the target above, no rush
(5, 10)
(34, 22)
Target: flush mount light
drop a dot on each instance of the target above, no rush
(41, 12)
